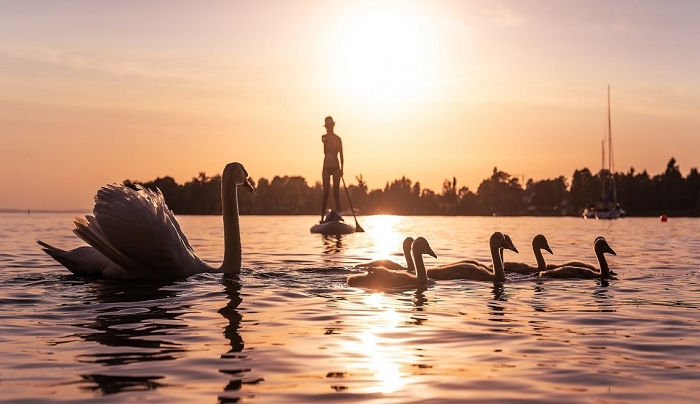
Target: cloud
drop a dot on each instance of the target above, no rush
(505, 17)
(154, 69)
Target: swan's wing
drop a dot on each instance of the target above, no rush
(85, 261)
(382, 263)
(89, 231)
(80, 261)
(171, 216)
(381, 278)
(569, 273)
(139, 225)
(572, 264)
(461, 263)
(519, 267)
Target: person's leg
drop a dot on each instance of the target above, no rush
(326, 177)
(336, 189)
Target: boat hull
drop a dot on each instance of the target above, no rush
(333, 227)
(614, 213)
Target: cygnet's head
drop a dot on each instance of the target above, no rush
(601, 245)
(421, 246)
(540, 242)
(499, 240)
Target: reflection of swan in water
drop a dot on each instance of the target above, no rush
(232, 289)
(134, 235)
(381, 277)
(601, 247)
(129, 324)
(234, 363)
(539, 243)
(389, 264)
(139, 322)
(475, 271)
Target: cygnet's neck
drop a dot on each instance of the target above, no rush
(496, 254)
(541, 265)
(409, 261)
(603, 262)
(420, 267)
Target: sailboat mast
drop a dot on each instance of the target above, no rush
(610, 151)
(609, 134)
(602, 169)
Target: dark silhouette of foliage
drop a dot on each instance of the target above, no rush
(500, 194)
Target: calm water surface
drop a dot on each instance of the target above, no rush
(289, 329)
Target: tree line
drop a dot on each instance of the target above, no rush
(501, 194)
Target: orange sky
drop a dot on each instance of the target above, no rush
(98, 92)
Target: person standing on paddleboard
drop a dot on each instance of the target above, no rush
(332, 147)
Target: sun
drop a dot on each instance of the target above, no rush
(384, 55)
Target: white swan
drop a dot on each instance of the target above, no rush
(389, 264)
(600, 247)
(539, 243)
(383, 278)
(133, 235)
(474, 270)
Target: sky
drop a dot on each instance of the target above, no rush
(96, 92)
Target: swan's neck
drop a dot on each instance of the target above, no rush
(232, 231)
(409, 262)
(420, 268)
(496, 254)
(541, 266)
(604, 268)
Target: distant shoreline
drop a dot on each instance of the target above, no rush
(30, 211)
(83, 212)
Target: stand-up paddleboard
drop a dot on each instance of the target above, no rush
(332, 224)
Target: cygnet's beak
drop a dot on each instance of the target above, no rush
(248, 186)
(549, 250)
(431, 252)
(611, 251)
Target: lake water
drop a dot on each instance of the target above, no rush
(289, 329)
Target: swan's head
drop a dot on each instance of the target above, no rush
(499, 240)
(601, 246)
(407, 243)
(236, 173)
(421, 246)
(540, 243)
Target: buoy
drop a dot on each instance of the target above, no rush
(664, 218)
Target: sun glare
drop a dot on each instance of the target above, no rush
(386, 240)
(380, 356)
(384, 56)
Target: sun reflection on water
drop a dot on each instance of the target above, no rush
(381, 356)
(386, 237)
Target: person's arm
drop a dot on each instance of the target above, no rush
(342, 160)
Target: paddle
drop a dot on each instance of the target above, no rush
(358, 228)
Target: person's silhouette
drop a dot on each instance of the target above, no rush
(332, 166)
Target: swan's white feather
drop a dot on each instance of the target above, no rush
(138, 225)
(133, 235)
(85, 260)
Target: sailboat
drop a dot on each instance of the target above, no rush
(607, 207)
